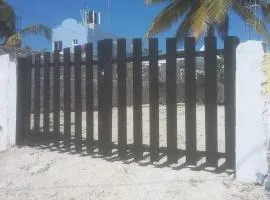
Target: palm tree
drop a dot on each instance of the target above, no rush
(9, 35)
(7, 22)
(200, 17)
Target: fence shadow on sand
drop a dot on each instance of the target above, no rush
(43, 143)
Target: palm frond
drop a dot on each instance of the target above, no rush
(250, 17)
(198, 17)
(37, 29)
(5, 9)
(194, 23)
(7, 20)
(168, 16)
(216, 10)
(265, 9)
(223, 29)
(14, 41)
(199, 20)
(183, 30)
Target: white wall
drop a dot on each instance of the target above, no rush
(69, 30)
(251, 135)
(8, 97)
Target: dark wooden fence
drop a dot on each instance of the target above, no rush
(52, 64)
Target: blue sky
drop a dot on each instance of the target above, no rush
(128, 19)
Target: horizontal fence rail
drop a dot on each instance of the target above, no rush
(59, 92)
(179, 54)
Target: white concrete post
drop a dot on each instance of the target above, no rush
(8, 100)
(251, 152)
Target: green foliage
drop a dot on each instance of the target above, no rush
(7, 20)
(199, 17)
(220, 69)
(8, 33)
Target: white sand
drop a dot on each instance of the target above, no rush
(31, 173)
(46, 173)
(162, 126)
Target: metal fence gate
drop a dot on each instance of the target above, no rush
(46, 82)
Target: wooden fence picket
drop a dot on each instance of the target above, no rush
(105, 96)
(154, 99)
(171, 100)
(122, 98)
(89, 98)
(67, 97)
(211, 101)
(137, 98)
(229, 95)
(78, 98)
(37, 94)
(46, 94)
(190, 101)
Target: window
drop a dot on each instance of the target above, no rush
(90, 17)
(58, 46)
(96, 18)
(75, 42)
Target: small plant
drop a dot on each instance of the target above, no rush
(220, 70)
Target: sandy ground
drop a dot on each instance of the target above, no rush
(43, 171)
(35, 173)
(162, 126)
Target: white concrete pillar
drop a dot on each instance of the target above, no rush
(8, 98)
(251, 153)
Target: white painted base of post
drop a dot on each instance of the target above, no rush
(251, 135)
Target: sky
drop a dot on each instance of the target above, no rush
(128, 19)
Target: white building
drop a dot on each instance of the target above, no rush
(72, 32)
